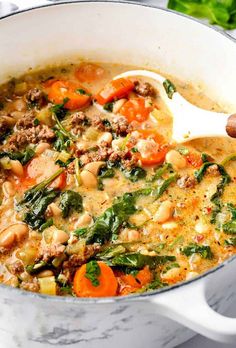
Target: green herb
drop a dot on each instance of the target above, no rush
(110, 252)
(108, 224)
(230, 226)
(36, 268)
(24, 156)
(47, 224)
(134, 150)
(103, 173)
(66, 289)
(80, 232)
(203, 250)
(228, 159)
(161, 171)
(169, 88)
(64, 164)
(171, 266)
(62, 141)
(36, 122)
(108, 107)
(183, 150)
(220, 12)
(178, 240)
(70, 201)
(59, 110)
(36, 200)
(93, 271)
(158, 192)
(82, 92)
(205, 157)
(155, 284)
(34, 217)
(134, 174)
(231, 241)
(138, 261)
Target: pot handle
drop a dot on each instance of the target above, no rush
(188, 306)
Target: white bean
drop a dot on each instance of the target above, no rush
(41, 148)
(164, 212)
(105, 137)
(94, 167)
(54, 210)
(59, 236)
(201, 227)
(8, 189)
(46, 273)
(17, 168)
(129, 235)
(13, 233)
(88, 179)
(84, 220)
(176, 159)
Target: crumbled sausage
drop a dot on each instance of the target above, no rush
(79, 122)
(71, 168)
(101, 124)
(4, 127)
(102, 154)
(213, 170)
(36, 97)
(33, 135)
(16, 267)
(186, 181)
(145, 89)
(121, 126)
(31, 285)
(50, 251)
(27, 121)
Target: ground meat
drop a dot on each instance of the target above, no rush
(50, 251)
(79, 122)
(120, 126)
(71, 168)
(4, 127)
(33, 135)
(101, 124)
(36, 97)
(102, 154)
(186, 181)
(32, 285)
(145, 89)
(125, 157)
(213, 170)
(27, 121)
(16, 267)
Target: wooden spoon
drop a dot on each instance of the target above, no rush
(189, 121)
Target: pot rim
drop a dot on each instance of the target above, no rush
(132, 297)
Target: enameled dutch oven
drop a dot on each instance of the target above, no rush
(149, 37)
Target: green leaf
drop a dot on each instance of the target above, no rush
(203, 250)
(110, 252)
(108, 107)
(59, 109)
(70, 201)
(24, 156)
(62, 141)
(138, 261)
(47, 224)
(93, 271)
(134, 174)
(169, 88)
(158, 192)
(220, 12)
(231, 241)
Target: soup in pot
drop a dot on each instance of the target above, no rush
(96, 198)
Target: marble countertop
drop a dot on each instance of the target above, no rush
(14, 5)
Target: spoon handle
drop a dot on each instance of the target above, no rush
(231, 126)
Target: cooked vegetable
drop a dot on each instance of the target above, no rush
(48, 286)
(70, 201)
(60, 90)
(105, 281)
(220, 12)
(169, 87)
(136, 110)
(114, 90)
(134, 174)
(62, 141)
(230, 241)
(203, 250)
(158, 192)
(24, 157)
(93, 271)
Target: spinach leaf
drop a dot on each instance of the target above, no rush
(24, 156)
(138, 261)
(62, 141)
(203, 250)
(45, 225)
(70, 201)
(155, 284)
(104, 172)
(158, 192)
(59, 109)
(110, 251)
(169, 88)
(231, 241)
(93, 271)
(107, 225)
(220, 12)
(108, 107)
(34, 217)
(134, 174)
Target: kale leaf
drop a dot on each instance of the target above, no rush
(203, 250)
(24, 156)
(70, 201)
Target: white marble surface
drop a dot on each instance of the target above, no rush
(8, 6)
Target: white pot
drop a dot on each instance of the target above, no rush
(148, 37)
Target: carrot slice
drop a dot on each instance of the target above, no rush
(130, 283)
(76, 94)
(107, 283)
(88, 72)
(194, 159)
(158, 155)
(114, 89)
(136, 110)
(41, 168)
